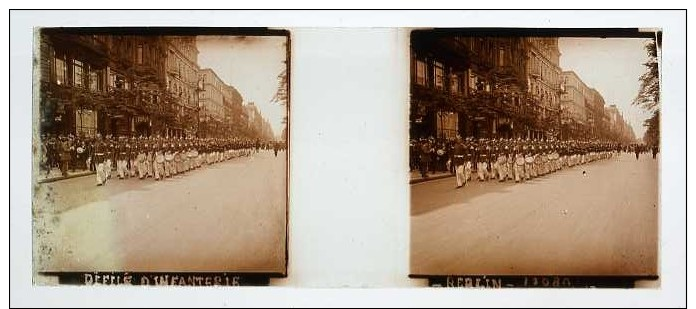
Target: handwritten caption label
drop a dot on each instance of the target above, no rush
(494, 282)
(160, 279)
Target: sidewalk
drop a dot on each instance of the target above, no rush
(55, 175)
(416, 176)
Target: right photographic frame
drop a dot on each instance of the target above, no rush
(534, 157)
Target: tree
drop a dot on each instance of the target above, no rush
(281, 95)
(649, 93)
(652, 134)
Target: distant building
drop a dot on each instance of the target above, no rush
(212, 114)
(235, 116)
(544, 80)
(619, 129)
(183, 84)
(259, 126)
(573, 105)
(595, 115)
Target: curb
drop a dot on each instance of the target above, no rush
(419, 180)
(65, 177)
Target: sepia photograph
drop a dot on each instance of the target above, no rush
(160, 150)
(534, 152)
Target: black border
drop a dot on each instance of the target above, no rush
(536, 281)
(646, 33)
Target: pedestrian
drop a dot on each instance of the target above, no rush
(65, 155)
(81, 151)
(654, 151)
(637, 150)
(44, 155)
(425, 153)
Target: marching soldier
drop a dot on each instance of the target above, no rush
(142, 160)
(132, 157)
(199, 152)
(528, 150)
(177, 159)
(109, 157)
(458, 159)
(168, 159)
(493, 160)
(470, 155)
(159, 161)
(535, 159)
(510, 159)
(99, 159)
(518, 154)
(150, 158)
(502, 163)
(482, 161)
(121, 158)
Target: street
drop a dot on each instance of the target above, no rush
(230, 216)
(602, 223)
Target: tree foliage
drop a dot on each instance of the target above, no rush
(281, 95)
(652, 134)
(649, 93)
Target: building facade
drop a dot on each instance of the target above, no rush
(235, 115)
(619, 129)
(574, 98)
(597, 122)
(500, 87)
(471, 87)
(183, 85)
(212, 113)
(103, 84)
(132, 85)
(544, 84)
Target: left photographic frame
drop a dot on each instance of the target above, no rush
(160, 156)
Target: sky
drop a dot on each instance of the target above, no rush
(250, 64)
(613, 66)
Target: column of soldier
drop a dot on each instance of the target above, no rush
(161, 157)
(521, 160)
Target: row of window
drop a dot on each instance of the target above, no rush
(187, 73)
(181, 91)
(186, 45)
(545, 72)
(547, 47)
(498, 51)
(146, 54)
(545, 94)
(76, 73)
(454, 83)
